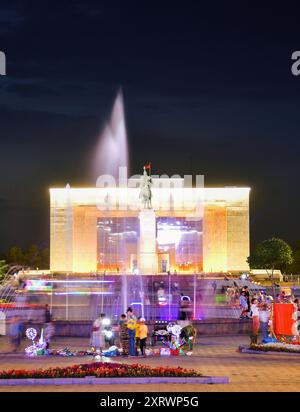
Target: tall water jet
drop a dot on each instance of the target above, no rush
(111, 154)
(112, 149)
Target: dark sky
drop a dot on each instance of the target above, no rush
(207, 86)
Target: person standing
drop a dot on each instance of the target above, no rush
(243, 305)
(137, 335)
(98, 336)
(131, 325)
(247, 294)
(143, 332)
(264, 317)
(49, 333)
(124, 337)
(15, 332)
(47, 314)
(296, 319)
(255, 318)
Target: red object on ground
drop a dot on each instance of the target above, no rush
(283, 318)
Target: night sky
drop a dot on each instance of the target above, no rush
(207, 90)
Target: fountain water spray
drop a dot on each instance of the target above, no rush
(112, 150)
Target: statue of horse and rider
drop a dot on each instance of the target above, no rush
(145, 193)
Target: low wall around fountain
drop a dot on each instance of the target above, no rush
(204, 327)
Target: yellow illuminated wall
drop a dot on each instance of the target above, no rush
(74, 213)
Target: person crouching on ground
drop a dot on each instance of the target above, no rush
(255, 318)
(143, 332)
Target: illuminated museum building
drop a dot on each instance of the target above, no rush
(190, 230)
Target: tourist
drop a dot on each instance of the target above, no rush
(185, 308)
(247, 294)
(254, 312)
(236, 295)
(98, 336)
(123, 334)
(47, 314)
(143, 332)
(296, 319)
(264, 317)
(282, 297)
(227, 295)
(137, 335)
(49, 333)
(131, 324)
(15, 332)
(244, 305)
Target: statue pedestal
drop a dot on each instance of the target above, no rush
(148, 264)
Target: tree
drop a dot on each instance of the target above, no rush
(3, 269)
(271, 254)
(33, 258)
(294, 268)
(15, 256)
(45, 258)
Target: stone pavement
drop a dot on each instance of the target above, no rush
(214, 355)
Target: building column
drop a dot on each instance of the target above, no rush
(147, 244)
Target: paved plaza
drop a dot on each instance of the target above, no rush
(214, 355)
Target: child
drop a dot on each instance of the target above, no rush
(143, 332)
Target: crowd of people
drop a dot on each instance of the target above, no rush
(131, 333)
(257, 306)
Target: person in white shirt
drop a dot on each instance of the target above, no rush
(264, 317)
(255, 316)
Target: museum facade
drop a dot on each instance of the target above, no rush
(187, 230)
